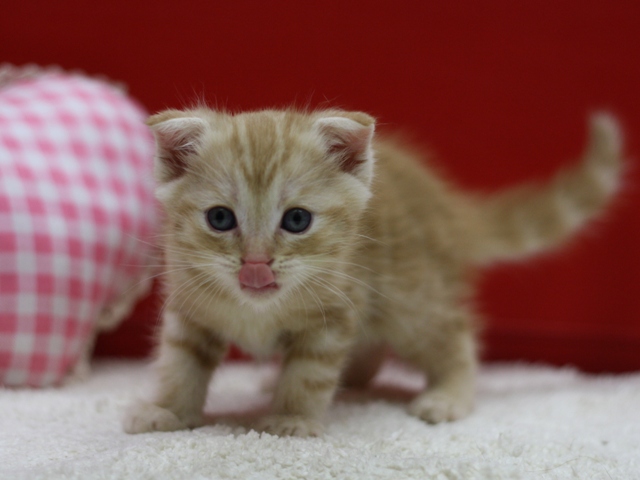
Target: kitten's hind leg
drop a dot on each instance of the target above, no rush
(188, 354)
(445, 350)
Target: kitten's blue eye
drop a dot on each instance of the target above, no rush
(221, 219)
(296, 220)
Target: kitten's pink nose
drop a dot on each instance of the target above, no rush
(256, 272)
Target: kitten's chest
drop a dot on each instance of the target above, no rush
(257, 333)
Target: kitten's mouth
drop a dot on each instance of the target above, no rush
(260, 291)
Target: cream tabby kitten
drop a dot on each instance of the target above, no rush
(299, 232)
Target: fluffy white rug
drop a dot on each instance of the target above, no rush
(531, 422)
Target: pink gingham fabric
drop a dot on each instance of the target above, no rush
(76, 217)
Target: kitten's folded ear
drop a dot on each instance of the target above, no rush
(177, 136)
(348, 138)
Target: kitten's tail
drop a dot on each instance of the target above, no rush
(529, 219)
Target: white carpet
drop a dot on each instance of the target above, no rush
(530, 422)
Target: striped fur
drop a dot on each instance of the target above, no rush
(384, 263)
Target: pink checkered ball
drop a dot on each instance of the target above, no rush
(77, 220)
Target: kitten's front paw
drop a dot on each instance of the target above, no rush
(439, 406)
(291, 425)
(142, 417)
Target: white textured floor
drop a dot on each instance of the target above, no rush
(530, 422)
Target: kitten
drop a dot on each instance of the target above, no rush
(299, 232)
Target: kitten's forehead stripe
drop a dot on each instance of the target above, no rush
(262, 135)
(284, 140)
(263, 144)
(241, 147)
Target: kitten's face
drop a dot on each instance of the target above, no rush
(264, 205)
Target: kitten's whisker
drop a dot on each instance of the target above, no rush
(217, 286)
(149, 278)
(316, 299)
(203, 287)
(178, 289)
(206, 287)
(360, 323)
(295, 292)
(339, 262)
(139, 240)
(188, 252)
(190, 266)
(371, 239)
(184, 286)
(296, 289)
(348, 277)
(331, 287)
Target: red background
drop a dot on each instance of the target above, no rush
(499, 90)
